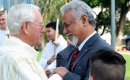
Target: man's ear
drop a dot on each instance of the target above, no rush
(25, 27)
(84, 19)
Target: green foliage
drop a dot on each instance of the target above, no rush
(127, 28)
(94, 3)
(127, 58)
(119, 3)
(103, 3)
(39, 56)
(50, 9)
(104, 17)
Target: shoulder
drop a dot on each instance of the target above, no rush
(97, 41)
(49, 45)
(101, 43)
(13, 57)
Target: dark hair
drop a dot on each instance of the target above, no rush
(51, 25)
(107, 65)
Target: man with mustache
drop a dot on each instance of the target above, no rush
(79, 23)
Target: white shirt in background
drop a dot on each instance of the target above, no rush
(3, 36)
(48, 52)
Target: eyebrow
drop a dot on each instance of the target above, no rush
(65, 23)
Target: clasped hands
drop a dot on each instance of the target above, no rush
(59, 70)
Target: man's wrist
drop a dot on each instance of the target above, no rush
(62, 75)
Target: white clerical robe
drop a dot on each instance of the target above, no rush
(18, 61)
(3, 36)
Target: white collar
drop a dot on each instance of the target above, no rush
(86, 39)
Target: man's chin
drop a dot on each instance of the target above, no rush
(74, 41)
(38, 47)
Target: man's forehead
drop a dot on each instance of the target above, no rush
(2, 15)
(67, 19)
(67, 12)
(49, 28)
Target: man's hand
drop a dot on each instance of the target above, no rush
(48, 72)
(51, 60)
(61, 71)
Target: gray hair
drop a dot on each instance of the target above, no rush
(79, 8)
(19, 13)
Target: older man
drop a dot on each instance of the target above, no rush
(3, 30)
(17, 57)
(79, 22)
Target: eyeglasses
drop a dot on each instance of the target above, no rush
(36, 24)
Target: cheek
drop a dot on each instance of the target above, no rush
(38, 31)
(37, 34)
(77, 29)
(72, 29)
(50, 34)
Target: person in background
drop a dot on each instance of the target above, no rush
(79, 22)
(3, 30)
(47, 60)
(107, 65)
(17, 55)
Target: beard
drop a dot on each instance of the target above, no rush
(74, 40)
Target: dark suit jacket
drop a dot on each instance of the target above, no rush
(61, 59)
(80, 69)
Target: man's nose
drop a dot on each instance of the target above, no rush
(65, 30)
(43, 30)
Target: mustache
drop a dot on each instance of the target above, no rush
(69, 34)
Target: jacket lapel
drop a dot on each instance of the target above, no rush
(85, 48)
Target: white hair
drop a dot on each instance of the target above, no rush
(78, 9)
(19, 13)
